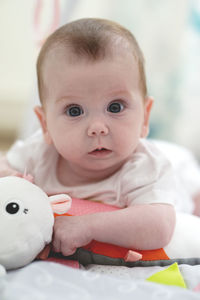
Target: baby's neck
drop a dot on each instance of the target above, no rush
(75, 176)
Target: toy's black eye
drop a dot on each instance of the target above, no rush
(12, 208)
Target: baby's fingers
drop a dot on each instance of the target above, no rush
(68, 251)
(65, 249)
(56, 245)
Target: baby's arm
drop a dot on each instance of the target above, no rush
(148, 226)
(6, 169)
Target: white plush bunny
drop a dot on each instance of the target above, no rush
(26, 220)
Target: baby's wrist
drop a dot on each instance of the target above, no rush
(89, 224)
(96, 226)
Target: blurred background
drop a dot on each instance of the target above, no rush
(167, 31)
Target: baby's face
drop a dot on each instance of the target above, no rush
(95, 112)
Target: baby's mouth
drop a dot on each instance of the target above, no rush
(100, 152)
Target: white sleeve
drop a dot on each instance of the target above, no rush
(23, 155)
(150, 178)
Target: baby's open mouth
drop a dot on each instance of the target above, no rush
(100, 151)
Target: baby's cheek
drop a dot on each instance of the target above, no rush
(69, 148)
(128, 138)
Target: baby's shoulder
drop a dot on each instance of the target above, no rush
(149, 147)
(28, 153)
(147, 161)
(147, 153)
(34, 145)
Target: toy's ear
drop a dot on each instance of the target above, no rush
(60, 203)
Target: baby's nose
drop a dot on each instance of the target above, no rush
(97, 128)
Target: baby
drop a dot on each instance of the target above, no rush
(94, 116)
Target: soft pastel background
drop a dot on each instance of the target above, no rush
(168, 32)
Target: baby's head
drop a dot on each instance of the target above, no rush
(93, 93)
(92, 40)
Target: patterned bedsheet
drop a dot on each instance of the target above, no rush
(48, 280)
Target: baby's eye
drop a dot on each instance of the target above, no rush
(115, 107)
(74, 110)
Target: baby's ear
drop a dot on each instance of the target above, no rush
(60, 203)
(147, 110)
(40, 113)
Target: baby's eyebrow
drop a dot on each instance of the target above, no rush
(119, 93)
(113, 93)
(68, 98)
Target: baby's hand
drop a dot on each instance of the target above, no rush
(70, 233)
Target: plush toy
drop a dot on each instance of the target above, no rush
(26, 220)
(26, 225)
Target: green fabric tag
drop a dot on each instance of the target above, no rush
(169, 276)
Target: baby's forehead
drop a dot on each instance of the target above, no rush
(59, 62)
(60, 54)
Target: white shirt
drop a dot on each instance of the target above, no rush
(147, 177)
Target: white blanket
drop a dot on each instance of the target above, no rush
(47, 280)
